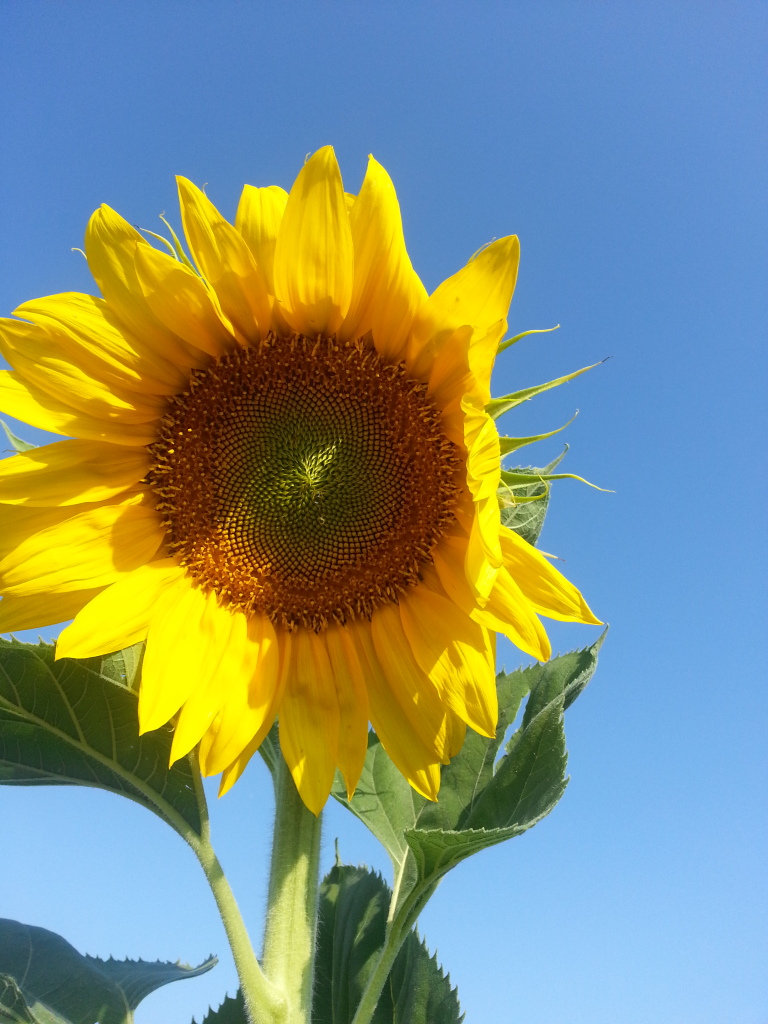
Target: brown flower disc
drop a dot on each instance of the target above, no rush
(303, 479)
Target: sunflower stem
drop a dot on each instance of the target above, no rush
(263, 1003)
(398, 927)
(377, 980)
(289, 938)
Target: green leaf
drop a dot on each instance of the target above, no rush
(568, 674)
(231, 1011)
(471, 770)
(137, 979)
(123, 667)
(436, 852)
(76, 723)
(498, 406)
(15, 442)
(484, 799)
(52, 982)
(524, 509)
(14, 1008)
(351, 925)
(351, 935)
(530, 779)
(509, 796)
(527, 517)
(383, 801)
(421, 993)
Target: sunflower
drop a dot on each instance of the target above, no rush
(280, 474)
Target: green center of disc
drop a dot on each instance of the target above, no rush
(310, 492)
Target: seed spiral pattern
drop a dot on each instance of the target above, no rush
(304, 479)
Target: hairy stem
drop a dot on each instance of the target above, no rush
(263, 1003)
(289, 940)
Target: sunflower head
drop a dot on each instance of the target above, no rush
(282, 475)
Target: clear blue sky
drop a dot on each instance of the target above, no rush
(626, 144)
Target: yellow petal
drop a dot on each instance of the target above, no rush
(70, 472)
(30, 404)
(415, 693)
(451, 377)
(258, 219)
(233, 771)
(547, 590)
(457, 731)
(353, 704)
(89, 332)
(482, 356)
(481, 438)
(180, 645)
(17, 522)
(121, 614)
(387, 291)
(43, 364)
(41, 609)
(180, 301)
(456, 653)
(314, 256)
(226, 262)
(93, 549)
(508, 611)
(448, 557)
(227, 634)
(253, 694)
(110, 246)
(416, 760)
(478, 295)
(309, 719)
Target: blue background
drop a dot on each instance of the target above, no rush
(625, 143)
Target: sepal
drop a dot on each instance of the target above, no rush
(15, 442)
(498, 406)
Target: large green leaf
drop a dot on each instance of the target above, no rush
(420, 992)
(508, 796)
(76, 723)
(350, 940)
(464, 780)
(231, 1011)
(123, 668)
(14, 1008)
(46, 981)
(484, 798)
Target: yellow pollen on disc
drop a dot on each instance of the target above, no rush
(304, 480)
